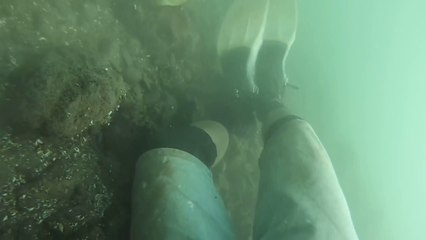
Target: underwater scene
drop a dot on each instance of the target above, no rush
(212, 119)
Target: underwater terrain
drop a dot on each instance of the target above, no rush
(84, 86)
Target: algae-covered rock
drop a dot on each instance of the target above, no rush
(50, 190)
(59, 65)
(28, 27)
(61, 92)
(66, 65)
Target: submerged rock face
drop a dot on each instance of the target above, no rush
(61, 93)
(66, 67)
(60, 65)
(83, 87)
(50, 191)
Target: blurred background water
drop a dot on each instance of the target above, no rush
(361, 69)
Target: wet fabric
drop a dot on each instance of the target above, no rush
(299, 195)
(174, 197)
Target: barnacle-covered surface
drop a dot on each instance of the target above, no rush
(84, 85)
(50, 190)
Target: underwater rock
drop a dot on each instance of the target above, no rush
(61, 93)
(66, 63)
(50, 191)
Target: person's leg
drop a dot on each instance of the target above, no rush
(299, 194)
(174, 196)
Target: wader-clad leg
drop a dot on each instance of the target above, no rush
(174, 198)
(299, 194)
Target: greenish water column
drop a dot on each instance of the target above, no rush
(361, 69)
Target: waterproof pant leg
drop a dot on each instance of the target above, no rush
(299, 194)
(174, 198)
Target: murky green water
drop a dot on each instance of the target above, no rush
(361, 69)
(86, 84)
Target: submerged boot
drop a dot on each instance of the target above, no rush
(218, 135)
(253, 44)
(206, 140)
(270, 77)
